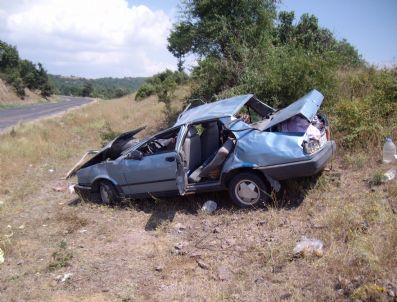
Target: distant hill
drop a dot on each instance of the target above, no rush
(105, 88)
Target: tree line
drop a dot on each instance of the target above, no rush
(21, 74)
(104, 88)
(247, 46)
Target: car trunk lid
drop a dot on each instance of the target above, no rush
(307, 106)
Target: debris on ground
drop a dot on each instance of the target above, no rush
(179, 227)
(58, 189)
(159, 268)
(202, 264)
(1, 256)
(180, 248)
(309, 247)
(209, 206)
(65, 277)
(71, 189)
(389, 175)
(1, 203)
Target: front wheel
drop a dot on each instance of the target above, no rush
(248, 190)
(108, 192)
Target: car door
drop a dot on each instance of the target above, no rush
(152, 173)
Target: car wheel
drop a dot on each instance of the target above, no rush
(248, 190)
(108, 192)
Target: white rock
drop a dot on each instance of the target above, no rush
(1, 256)
(66, 277)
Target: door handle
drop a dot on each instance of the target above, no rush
(170, 158)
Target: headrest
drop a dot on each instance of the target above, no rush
(191, 132)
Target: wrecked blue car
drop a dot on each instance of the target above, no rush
(237, 144)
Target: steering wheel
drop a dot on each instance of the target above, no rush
(153, 146)
(158, 145)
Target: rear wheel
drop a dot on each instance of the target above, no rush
(248, 190)
(108, 192)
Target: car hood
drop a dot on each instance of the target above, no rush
(111, 150)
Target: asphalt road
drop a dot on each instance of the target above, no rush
(10, 117)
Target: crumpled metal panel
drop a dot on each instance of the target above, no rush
(226, 107)
(256, 148)
(307, 106)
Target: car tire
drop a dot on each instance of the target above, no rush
(108, 192)
(248, 190)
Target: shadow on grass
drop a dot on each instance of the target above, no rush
(291, 196)
(164, 209)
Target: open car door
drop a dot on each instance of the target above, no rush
(181, 175)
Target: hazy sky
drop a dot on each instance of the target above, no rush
(96, 38)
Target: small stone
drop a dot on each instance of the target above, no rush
(391, 293)
(285, 296)
(178, 246)
(224, 273)
(179, 227)
(159, 268)
(202, 264)
(216, 231)
(21, 227)
(105, 290)
(58, 189)
(51, 170)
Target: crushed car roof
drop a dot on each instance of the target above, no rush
(222, 108)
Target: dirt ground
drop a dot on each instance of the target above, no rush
(68, 250)
(59, 248)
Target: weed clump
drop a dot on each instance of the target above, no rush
(377, 178)
(61, 257)
(107, 134)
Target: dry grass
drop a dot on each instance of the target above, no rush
(169, 250)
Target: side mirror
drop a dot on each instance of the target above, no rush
(136, 154)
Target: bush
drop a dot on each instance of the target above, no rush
(144, 91)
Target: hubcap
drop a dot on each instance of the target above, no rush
(247, 192)
(104, 195)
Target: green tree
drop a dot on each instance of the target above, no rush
(87, 89)
(180, 42)
(244, 46)
(9, 57)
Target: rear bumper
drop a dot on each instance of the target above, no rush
(302, 168)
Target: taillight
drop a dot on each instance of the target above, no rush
(311, 146)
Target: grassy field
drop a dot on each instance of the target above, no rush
(58, 248)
